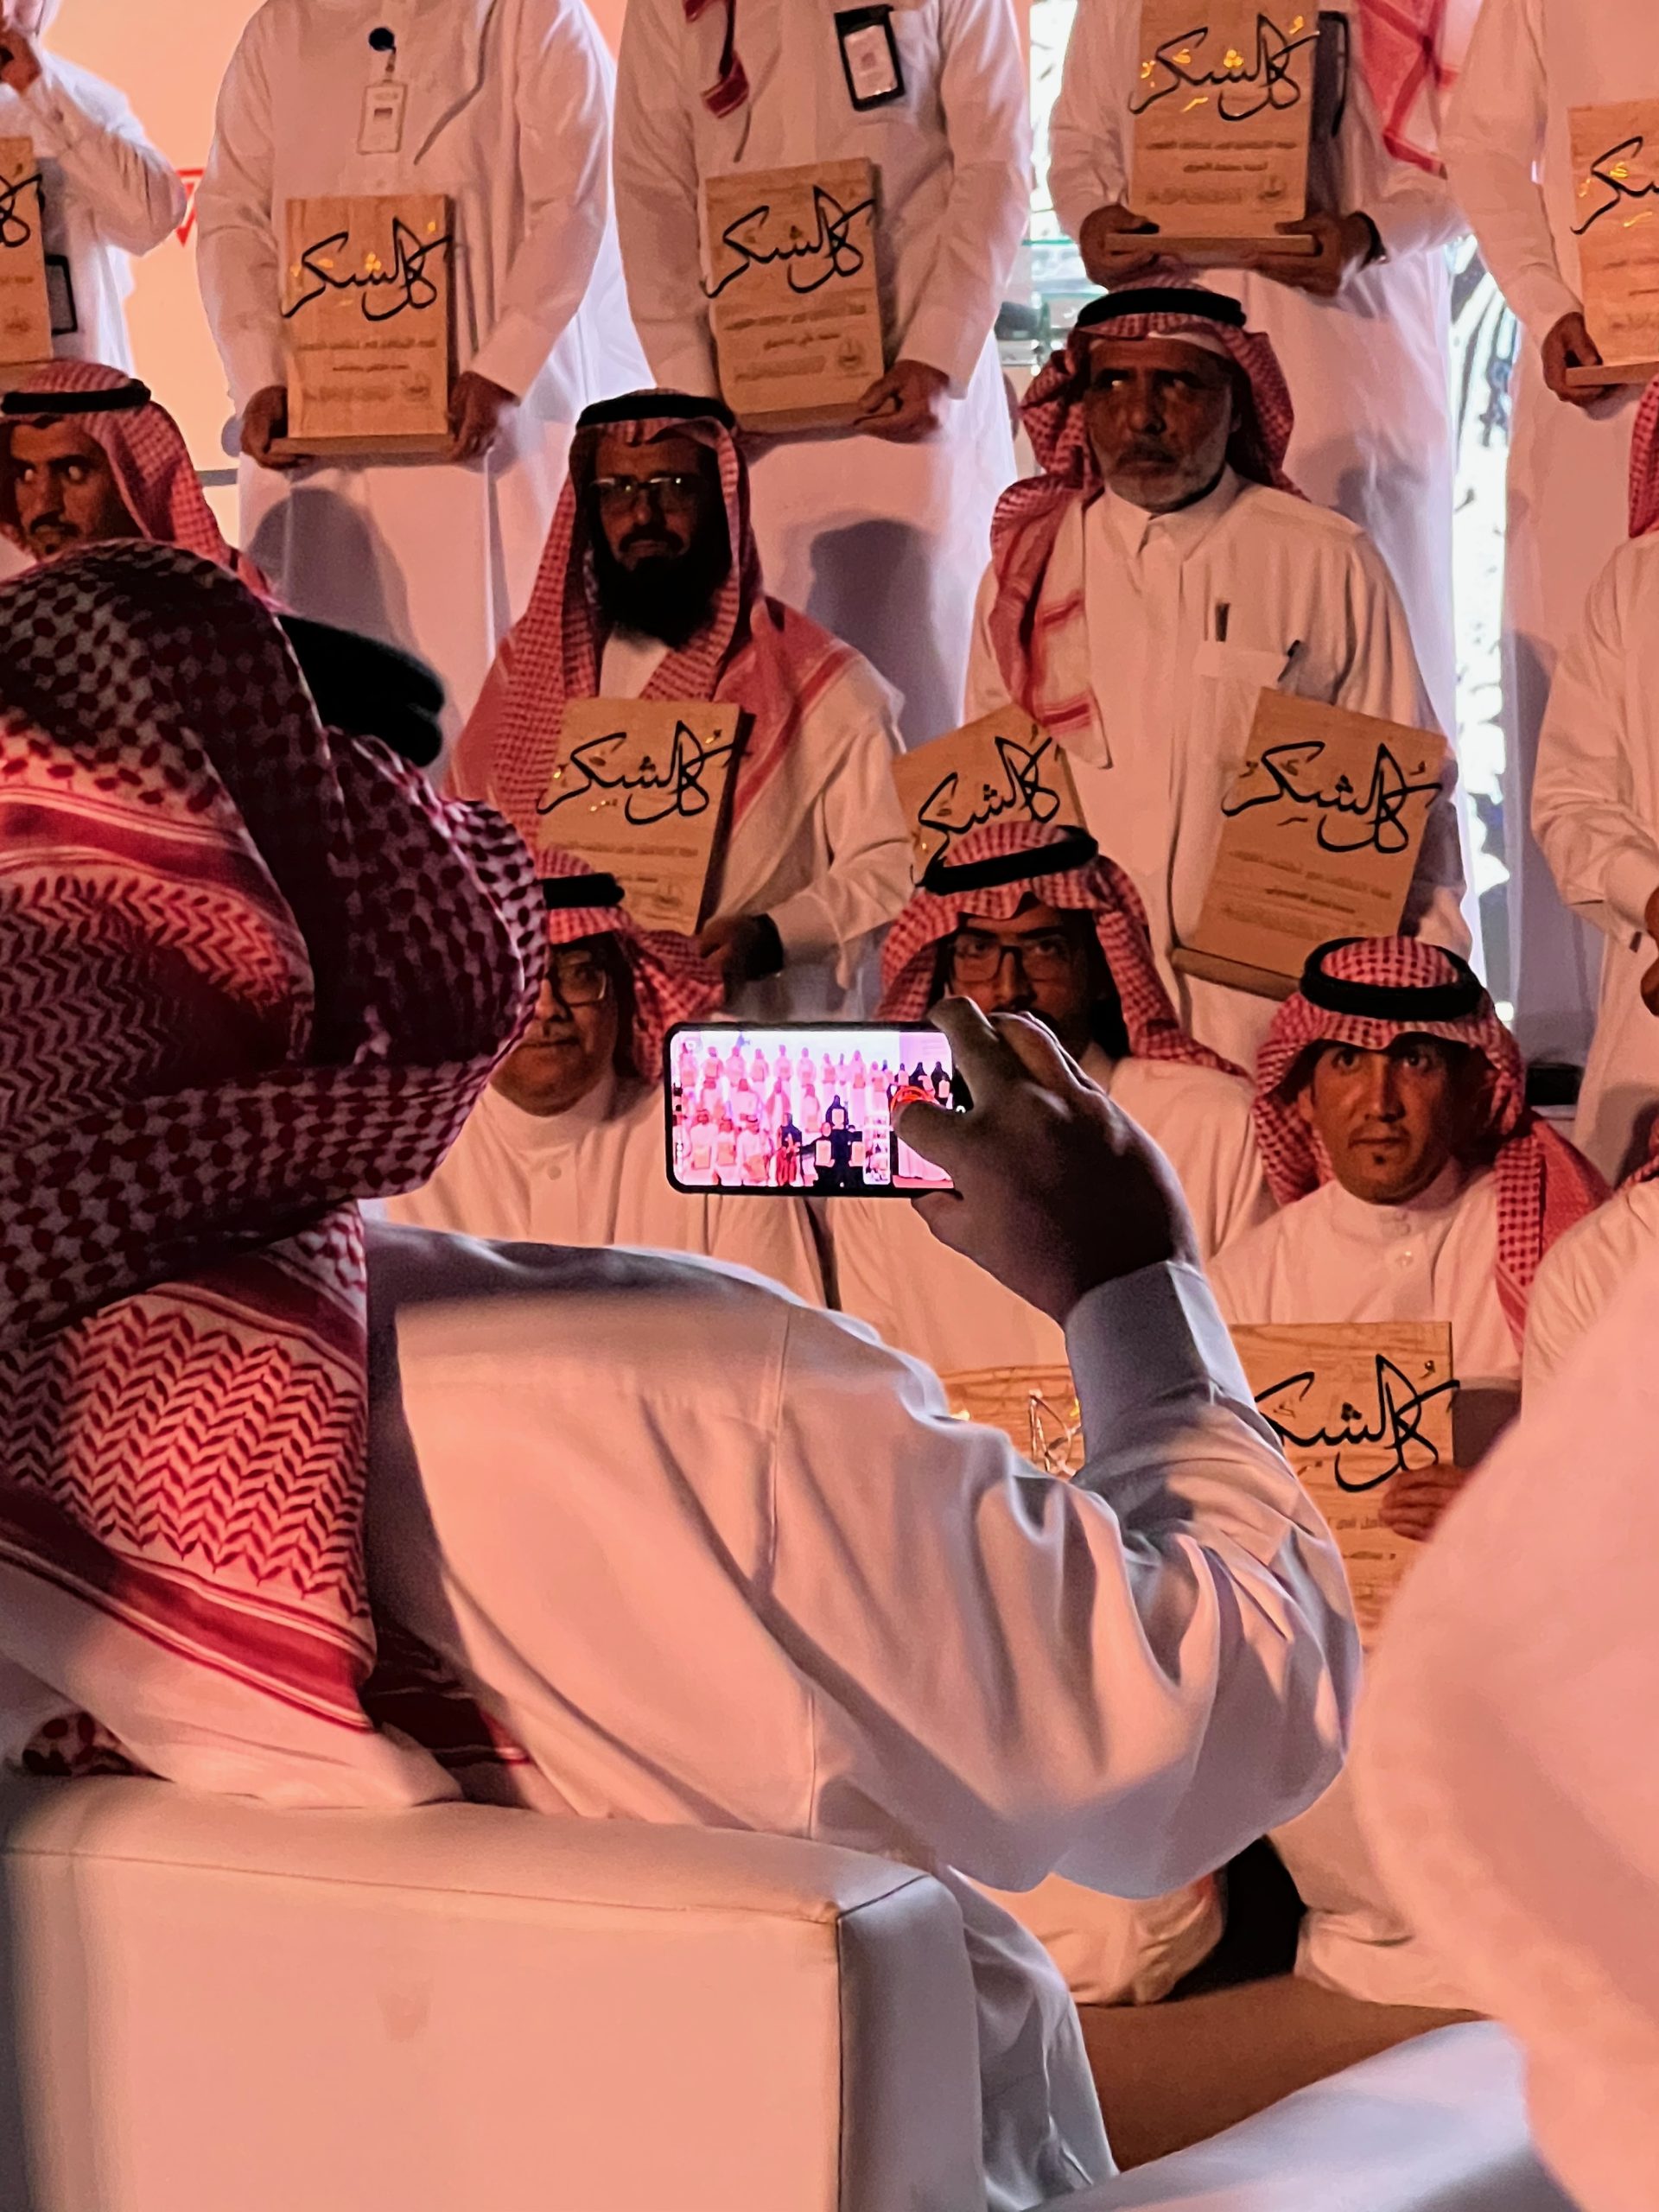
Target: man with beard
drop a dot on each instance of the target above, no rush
(651, 588)
(698, 1553)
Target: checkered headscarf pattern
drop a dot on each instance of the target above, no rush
(671, 982)
(1644, 464)
(731, 85)
(753, 651)
(1409, 53)
(1543, 1184)
(1030, 641)
(248, 973)
(150, 461)
(1101, 889)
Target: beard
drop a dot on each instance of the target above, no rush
(667, 595)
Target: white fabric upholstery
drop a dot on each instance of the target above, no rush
(1435, 2124)
(217, 2006)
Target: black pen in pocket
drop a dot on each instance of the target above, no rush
(1223, 616)
(1292, 654)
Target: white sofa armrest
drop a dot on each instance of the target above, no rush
(216, 2007)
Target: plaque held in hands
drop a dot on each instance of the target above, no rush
(1232, 118)
(25, 302)
(1003, 767)
(368, 312)
(1616, 222)
(788, 258)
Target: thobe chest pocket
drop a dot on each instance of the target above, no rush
(1258, 666)
(886, 55)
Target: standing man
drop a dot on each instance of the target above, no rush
(651, 588)
(108, 193)
(1509, 153)
(879, 534)
(1363, 326)
(1155, 579)
(505, 107)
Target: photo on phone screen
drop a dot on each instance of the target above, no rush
(802, 1109)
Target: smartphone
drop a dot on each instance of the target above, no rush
(802, 1110)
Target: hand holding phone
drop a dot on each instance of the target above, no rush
(1055, 1190)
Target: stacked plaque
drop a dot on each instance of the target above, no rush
(1004, 767)
(1616, 222)
(1232, 122)
(790, 262)
(25, 304)
(368, 306)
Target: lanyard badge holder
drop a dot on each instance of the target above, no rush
(381, 129)
(869, 57)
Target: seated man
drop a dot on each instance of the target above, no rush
(651, 588)
(567, 1144)
(1155, 579)
(1581, 1274)
(1028, 920)
(1415, 1186)
(253, 973)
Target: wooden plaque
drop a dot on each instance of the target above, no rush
(368, 302)
(1353, 1405)
(1320, 835)
(1616, 222)
(1036, 1408)
(25, 304)
(639, 789)
(1233, 103)
(790, 262)
(1004, 766)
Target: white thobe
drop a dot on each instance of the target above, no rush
(597, 1174)
(1370, 373)
(1334, 1257)
(507, 113)
(923, 1299)
(882, 544)
(1508, 150)
(1580, 1275)
(1595, 810)
(1310, 611)
(735, 1566)
(823, 850)
(109, 194)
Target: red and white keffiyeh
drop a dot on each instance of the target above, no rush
(148, 457)
(1644, 464)
(671, 981)
(1543, 1184)
(755, 653)
(731, 85)
(1037, 622)
(1410, 52)
(250, 972)
(1097, 887)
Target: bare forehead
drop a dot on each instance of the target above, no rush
(33, 443)
(1153, 356)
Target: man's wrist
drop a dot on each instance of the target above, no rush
(1365, 227)
(1148, 1338)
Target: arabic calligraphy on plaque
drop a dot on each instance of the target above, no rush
(1616, 200)
(367, 314)
(25, 303)
(1003, 767)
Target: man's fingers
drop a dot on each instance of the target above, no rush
(937, 1132)
(981, 1048)
(944, 1214)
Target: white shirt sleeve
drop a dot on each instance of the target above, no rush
(772, 1236)
(134, 194)
(237, 257)
(656, 199)
(1088, 154)
(986, 689)
(1124, 1679)
(1558, 1313)
(986, 98)
(1494, 140)
(860, 825)
(1384, 678)
(561, 99)
(1604, 862)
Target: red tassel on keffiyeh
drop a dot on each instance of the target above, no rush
(731, 87)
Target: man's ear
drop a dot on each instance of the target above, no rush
(1303, 1102)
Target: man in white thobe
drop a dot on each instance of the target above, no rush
(1508, 152)
(1415, 1187)
(505, 107)
(1362, 327)
(1584, 1273)
(1022, 920)
(880, 534)
(109, 194)
(1160, 574)
(652, 588)
(568, 1144)
(1595, 811)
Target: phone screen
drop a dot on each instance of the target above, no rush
(801, 1109)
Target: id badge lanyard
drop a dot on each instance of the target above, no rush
(869, 57)
(384, 102)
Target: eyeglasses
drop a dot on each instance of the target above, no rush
(576, 978)
(975, 959)
(673, 493)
